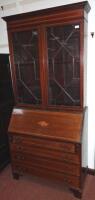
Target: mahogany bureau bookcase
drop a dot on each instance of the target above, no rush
(48, 128)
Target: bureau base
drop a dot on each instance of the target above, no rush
(49, 145)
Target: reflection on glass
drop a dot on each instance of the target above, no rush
(63, 44)
(26, 58)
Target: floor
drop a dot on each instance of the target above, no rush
(30, 188)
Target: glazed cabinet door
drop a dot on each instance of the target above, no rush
(47, 70)
(26, 66)
(63, 50)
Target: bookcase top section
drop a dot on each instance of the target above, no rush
(80, 5)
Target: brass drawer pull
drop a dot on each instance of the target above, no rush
(20, 157)
(15, 139)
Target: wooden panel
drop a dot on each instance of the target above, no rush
(45, 143)
(50, 164)
(58, 125)
(69, 179)
(46, 153)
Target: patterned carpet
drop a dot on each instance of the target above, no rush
(30, 188)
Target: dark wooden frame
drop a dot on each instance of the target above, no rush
(42, 18)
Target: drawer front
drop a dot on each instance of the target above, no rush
(73, 181)
(54, 165)
(46, 153)
(45, 143)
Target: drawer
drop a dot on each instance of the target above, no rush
(54, 165)
(72, 181)
(46, 143)
(46, 153)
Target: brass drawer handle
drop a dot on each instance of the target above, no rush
(15, 139)
(21, 169)
(20, 157)
(18, 139)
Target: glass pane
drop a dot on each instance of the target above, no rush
(26, 58)
(63, 44)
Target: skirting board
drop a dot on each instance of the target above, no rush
(91, 171)
(88, 171)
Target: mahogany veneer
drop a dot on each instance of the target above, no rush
(48, 128)
(48, 144)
